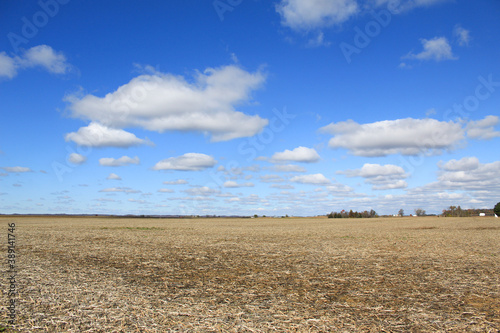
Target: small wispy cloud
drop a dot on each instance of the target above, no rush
(113, 176)
(17, 169)
(120, 189)
(462, 35)
(76, 158)
(437, 49)
(116, 162)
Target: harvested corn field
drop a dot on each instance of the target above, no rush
(103, 274)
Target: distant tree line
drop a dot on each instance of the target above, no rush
(457, 211)
(351, 214)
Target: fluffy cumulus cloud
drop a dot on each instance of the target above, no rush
(402, 136)
(97, 135)
(186, 162)
(437, 49)
(304, 15)
(340, 190)
(382, 177)
(41, 56)
(165, 102)
(314, 179)
(76, 158)
(468, 174)
(113, 176)
(116, 162)
(44, 56)
(17, 169)
(312, 14)
(233, 184)
(299, 154)
(484, 128)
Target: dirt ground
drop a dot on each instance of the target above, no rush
(98, 274)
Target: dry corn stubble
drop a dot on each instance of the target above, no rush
(98, 274)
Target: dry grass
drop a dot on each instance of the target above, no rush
(256, 275)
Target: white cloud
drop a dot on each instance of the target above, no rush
(382, 177)
(288, 168)
(233, 184)
(44, 56)
(127, 190)
(203, 191)
(252, 199)
(165, 102)
(402, 136)
(115, 162)
(462, 35)
(465, 164)
(76, 158)
(468, 174)
(38, 56)
(312, 14)
(186, 162)
(483, 129)
(138, 201)
(7, 66)
(283, 187)
(175, 182)
(376, 170)
(165, 190)
(319, 40)
(97, 135)
(271, 179)
(17, 169)
(299, 154)
(436, 49)
(113, 176)
(391, 185)
(304, 15)
(340, 190)
(315, 179)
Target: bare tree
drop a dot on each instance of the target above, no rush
(419, 212)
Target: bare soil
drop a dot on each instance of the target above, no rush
(97, 274)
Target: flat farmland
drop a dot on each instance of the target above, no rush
(103, 274)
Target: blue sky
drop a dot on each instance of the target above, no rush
(298, 107)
